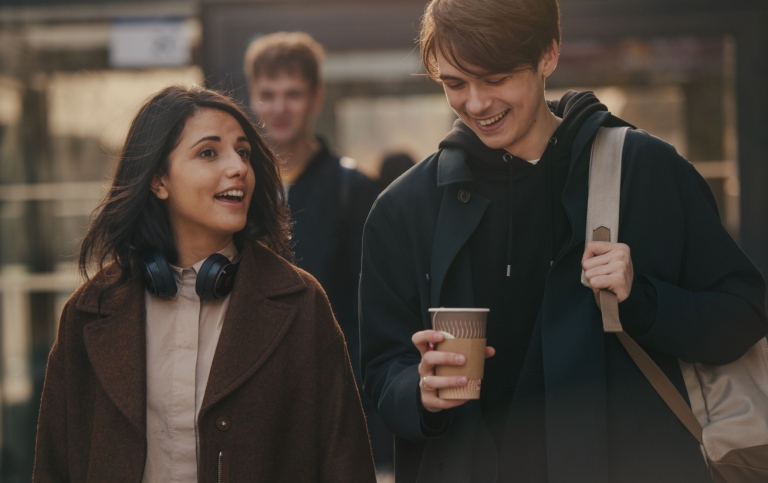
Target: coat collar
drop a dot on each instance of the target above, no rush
(116, 345)
(460, 212)
(256, 321)
(452, 168)
(254, 325)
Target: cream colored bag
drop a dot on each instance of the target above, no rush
(729, 403)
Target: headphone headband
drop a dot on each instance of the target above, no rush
(215, 278)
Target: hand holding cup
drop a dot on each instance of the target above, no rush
(454, 387)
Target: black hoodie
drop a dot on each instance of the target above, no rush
(521, 233)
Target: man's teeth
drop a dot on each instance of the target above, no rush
(491, 120)
(231, 194)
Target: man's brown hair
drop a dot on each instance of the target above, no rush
(481, 37)
(284, 53)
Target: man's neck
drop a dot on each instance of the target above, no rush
(540, 136)
(295, 157)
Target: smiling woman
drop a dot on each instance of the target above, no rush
(186, 355)
(208, 184)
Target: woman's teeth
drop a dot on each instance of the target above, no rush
(231, 194)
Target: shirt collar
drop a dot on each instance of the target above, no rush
(229, 251)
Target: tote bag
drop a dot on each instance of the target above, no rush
(729, 403)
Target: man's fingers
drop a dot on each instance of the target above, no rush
(595, 250)
(424, 338)
(615, 283)
(439, 358)
(429, 383)
(614, 267)
(429, 389)
(432, 383)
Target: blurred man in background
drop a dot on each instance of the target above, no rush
(329, 202)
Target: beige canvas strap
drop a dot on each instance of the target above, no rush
(662, 385)
(603, 225)
(603, 206)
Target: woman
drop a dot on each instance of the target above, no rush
(159, 372)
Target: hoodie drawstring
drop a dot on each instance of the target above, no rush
(508, 159)
(552, 142)
(510, 231)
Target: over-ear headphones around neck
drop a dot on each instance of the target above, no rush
(215, 278)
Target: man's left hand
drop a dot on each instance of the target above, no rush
(608, 266)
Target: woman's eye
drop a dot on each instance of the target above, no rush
(245, 154)
(207, 153)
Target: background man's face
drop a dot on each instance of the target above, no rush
(286, 106)
(502, 109)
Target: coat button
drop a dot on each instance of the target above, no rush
(464, 196)
(223, 424)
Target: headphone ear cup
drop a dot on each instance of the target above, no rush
(216, 277)
(158, 276)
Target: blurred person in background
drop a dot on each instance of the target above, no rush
(328, 202)
(392, 166)
(197, 352)
(496, 218)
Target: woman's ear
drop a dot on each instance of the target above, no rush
(159, 187)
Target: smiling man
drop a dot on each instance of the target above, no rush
(496, 218)
(328, 202)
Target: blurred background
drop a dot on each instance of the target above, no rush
(73, 74)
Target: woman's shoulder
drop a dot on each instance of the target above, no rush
(284, 276)
(89, 292)
(268, 275)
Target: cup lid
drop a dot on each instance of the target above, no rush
(457, 309)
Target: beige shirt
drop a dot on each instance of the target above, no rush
(182, 334)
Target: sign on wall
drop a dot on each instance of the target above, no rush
(136, 43)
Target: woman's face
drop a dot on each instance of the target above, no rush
(209, 183)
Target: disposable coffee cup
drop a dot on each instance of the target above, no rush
(464, 330)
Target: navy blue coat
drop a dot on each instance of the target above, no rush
(329, 204)
(604, 421)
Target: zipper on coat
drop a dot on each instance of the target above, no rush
(223, 467)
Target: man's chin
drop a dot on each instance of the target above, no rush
(493, 142)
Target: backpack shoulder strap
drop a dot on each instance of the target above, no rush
(603, 207)
(603, 225)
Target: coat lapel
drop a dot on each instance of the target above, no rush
(460, 212)
(255, 323)
(116, 347)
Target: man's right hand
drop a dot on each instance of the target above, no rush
(425, 341)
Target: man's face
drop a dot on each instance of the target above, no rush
(286, 106)
(502, 109)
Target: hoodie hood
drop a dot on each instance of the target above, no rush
(576, 109)
(573, 108)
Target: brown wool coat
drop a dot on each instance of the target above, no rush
(280, 406)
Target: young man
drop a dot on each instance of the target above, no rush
(328, 202)
(496, 218)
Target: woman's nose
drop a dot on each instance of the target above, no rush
(236, 165)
